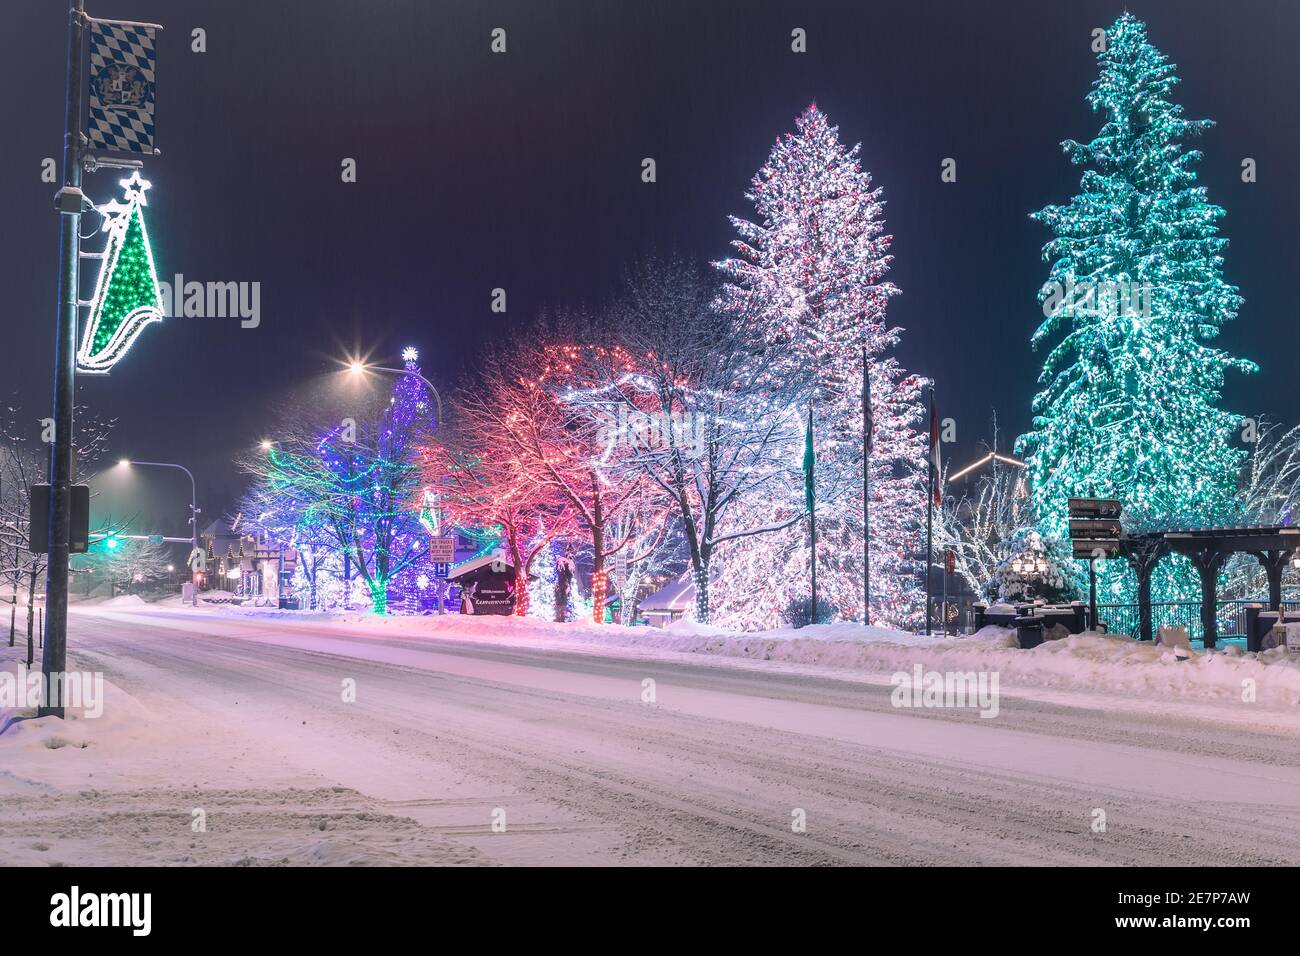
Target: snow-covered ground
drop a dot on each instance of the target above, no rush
(586, 744)
(1093, 663)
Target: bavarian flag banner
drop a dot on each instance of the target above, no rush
(121, 86)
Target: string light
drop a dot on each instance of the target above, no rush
(126, 297)
(1130, 406)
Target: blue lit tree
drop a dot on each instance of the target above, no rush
(356, 489)
(1128, 405)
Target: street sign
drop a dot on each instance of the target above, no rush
(1085, 548)
(198, 560)
(949, 561)
(441, 569)
(1095, 528)
(1095, 532)
(155, 539)
(1094, 508)
(442, 549)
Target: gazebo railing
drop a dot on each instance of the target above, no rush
(1231, 616)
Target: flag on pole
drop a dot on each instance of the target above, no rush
(868, 416)
(934, 452)
(809, 463)
(120, 116)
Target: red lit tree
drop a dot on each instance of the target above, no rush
(543, 447)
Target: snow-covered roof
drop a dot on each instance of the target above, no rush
(221, 527)
(676, 595)
(477, 563)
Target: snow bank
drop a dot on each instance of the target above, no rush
(123, 602)
(1091, 662)
(116, 723)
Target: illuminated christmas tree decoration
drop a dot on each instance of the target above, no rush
(809, 284)
(126, 297)
(1129, 401)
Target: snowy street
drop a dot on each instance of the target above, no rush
(243, 718)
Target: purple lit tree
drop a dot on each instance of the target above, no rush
(356, 488)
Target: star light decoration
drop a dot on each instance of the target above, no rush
(126, 297)
(410, 354)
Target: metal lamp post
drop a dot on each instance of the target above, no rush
(194, 505)
(358, 368)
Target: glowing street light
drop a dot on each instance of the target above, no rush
(194, 504)
(357, 368)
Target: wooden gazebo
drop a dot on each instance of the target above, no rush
(1208, 549)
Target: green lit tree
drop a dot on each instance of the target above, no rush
(1128, 405)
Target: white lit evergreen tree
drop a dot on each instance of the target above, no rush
(808, 283)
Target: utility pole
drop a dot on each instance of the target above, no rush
(69, 202)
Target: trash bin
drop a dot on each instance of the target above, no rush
(1029, 632)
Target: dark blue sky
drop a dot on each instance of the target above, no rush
(522, 171)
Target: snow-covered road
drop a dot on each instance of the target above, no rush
(245, 720)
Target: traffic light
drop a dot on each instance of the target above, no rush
(111, 542)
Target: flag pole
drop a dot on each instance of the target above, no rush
(866, 489)
(811, 492)
(929, 519)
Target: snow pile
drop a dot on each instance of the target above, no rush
(112, 721)
(123, 602)
(1092, 662)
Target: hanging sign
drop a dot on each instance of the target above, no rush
(120, 115)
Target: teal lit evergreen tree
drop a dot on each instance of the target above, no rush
(1128, 406)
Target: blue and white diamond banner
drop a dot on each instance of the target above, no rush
(121, 86)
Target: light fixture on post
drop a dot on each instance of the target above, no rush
(357, 368)
(195, 559)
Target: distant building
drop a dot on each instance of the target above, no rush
(669, 603)
(487, 585)
(249, 565)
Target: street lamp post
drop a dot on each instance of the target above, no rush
(358, 368)
(70, 203)
(194, 509)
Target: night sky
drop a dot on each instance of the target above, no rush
(522, 171)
